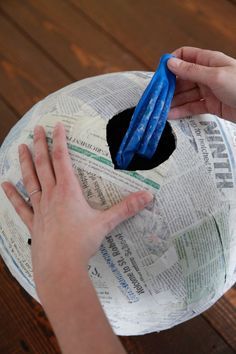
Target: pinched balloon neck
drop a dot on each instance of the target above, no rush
(149, 118)
(164, 59)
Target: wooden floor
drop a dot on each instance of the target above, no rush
(47, 44)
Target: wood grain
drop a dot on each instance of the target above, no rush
(231, 296)
(149, 29)
(67, 36)
(194, 336)
(24, 326)
(26, 74)
(8, 118)
(222, 316)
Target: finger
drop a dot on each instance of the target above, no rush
(42, 160)
(203, 57)
(188, 109)
(30, 178)
(60, 155)
(192, 55)
(192, 72)
(21, 207)
(183, 85)
(127, 208)
(186, 97)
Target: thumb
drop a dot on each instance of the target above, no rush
(191, 72)
(127, 208)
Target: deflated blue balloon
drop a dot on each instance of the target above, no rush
(149, 118)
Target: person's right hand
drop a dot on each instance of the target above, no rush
(206, 83)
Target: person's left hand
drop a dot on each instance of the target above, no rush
(65, 230)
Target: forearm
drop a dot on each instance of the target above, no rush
(78, 318)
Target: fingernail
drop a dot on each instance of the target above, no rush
(174, 113)
(147, 197)
(21, 149)
(37, 130)
(4, 187)
(174, 62)
(58, 125)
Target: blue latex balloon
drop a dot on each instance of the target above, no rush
(149, 118)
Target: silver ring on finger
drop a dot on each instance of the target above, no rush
(35, 191)
(28, 200)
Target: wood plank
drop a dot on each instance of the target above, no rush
(24, 325)
(222, 316)
(195, 336)
(231, 296)
(152, 28)
(8, 118)
(75, 44)
(26, 74)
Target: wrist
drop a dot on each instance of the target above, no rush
(56, 283)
